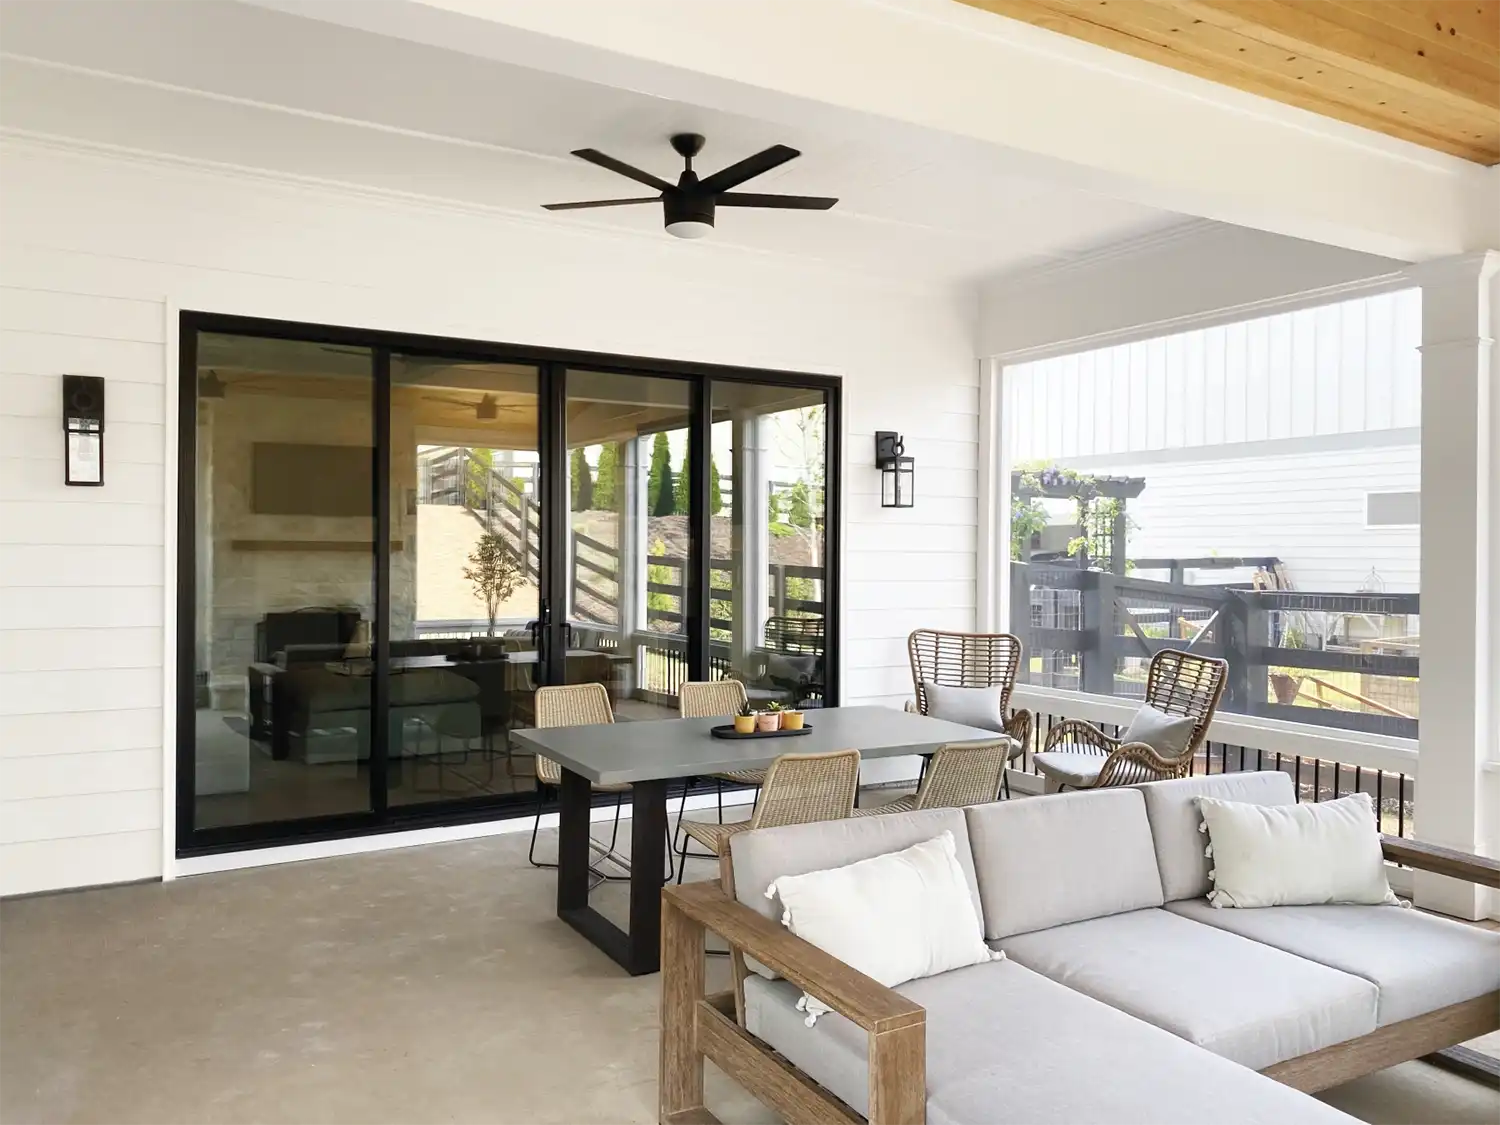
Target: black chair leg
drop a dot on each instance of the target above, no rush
(536, 823)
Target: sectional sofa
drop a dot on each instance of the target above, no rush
(1123, 997)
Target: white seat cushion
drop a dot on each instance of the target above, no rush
(1062, 859)
(1419, 962)
(1237, 998)
(1172, 808)
(1070, 767)
(1006, 1046)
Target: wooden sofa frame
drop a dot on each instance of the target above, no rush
(696, 1026)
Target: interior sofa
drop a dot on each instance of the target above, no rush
(1123, 996)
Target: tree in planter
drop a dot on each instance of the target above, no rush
(477, 468)
(494, 572)
(582, 482)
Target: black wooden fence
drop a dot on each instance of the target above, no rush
(1087, 626)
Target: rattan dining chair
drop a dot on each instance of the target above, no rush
(576, 705)
(961, 773)
(799, 789)
(707, 699)
(970, 660)
(1178, 683)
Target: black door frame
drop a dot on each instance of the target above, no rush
(552, 365)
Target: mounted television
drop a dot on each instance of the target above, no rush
(311, 480)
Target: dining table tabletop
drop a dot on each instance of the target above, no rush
(651, 755)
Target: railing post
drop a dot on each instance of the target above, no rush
(1020, 614)
(1096, 672)
(1234, 630)
(1257, 638)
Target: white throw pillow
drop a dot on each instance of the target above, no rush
(971, 706)
(1294, 855)
(894, 917)
(1167, 734)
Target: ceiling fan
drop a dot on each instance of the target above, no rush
(487, 409)
(689, 204)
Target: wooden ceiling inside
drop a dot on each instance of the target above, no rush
(1426, 71)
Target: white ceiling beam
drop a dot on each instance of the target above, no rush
(1043, 104)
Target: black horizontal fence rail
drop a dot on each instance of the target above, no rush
(501, 505)
(1313, 778)
(1094, 632)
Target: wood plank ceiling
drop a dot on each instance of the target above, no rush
(1426, 71)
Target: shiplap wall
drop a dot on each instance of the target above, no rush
(1346, 367)
(1307, 508)
(97, 249)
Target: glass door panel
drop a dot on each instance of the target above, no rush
(629, 541)
(284, 559)
(466, 492)
(767, 573)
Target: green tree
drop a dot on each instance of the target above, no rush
(606, 480)
(661, 463)
(773, 505)
(581, 482)
(682, 490)
(715, 495)
(664, 499)
(799, 506)
(477, 476)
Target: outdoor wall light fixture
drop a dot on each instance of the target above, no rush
(897, 471)
(83, 429)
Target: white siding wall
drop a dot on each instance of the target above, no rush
(1306, 508)
(1341, 368)
(95, 252)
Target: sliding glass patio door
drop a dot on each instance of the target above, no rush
(387, 544)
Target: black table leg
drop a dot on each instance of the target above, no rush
(648, 840)
(638, 951)
(575, 805)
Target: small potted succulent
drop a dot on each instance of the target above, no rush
(791, 718)
(744, 721)
(770, 719)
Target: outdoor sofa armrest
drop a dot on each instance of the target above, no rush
(864, 1001)
(1081, 736)
(1443, 861)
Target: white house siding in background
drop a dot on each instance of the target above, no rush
(97, 250)
(1348, 367)
(1306, 508)
(1262, 437)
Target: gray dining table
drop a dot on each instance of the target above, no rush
(651, 755)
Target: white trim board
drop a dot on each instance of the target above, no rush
(1406, 436)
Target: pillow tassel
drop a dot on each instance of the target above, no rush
(1208, 852)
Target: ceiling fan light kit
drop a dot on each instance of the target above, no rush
(688, 206)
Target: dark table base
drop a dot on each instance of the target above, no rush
(639, 951)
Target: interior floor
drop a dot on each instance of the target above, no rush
(423, 984)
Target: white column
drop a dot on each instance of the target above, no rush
(750, 545)
(1460, 552)
(631, 473)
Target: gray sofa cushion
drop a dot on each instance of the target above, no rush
(1057, 859)
(1006, 1046)
(1237, 998)
(763, 856)
(1419, 962)
(1172, 808)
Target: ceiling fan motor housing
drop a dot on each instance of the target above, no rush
(688, 214)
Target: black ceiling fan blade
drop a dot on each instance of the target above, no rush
(790, 202)
(751, 166)
(594, 156)
(600, 203)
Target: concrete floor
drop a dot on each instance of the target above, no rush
(426, 984)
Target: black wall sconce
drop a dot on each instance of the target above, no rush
(83, 429)
(897, 471)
